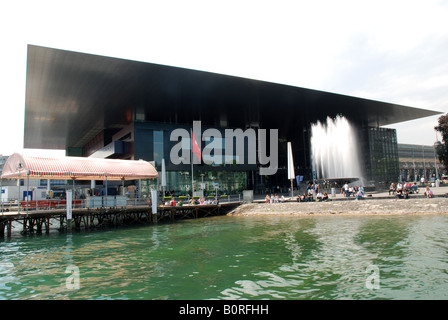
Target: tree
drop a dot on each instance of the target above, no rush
(442, 148)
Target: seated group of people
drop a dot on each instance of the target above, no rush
(192, 201)
(403, 188)
(274, 199)
(349, 191)
(402, 193)
(308, 197)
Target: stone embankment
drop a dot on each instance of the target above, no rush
(438, 205)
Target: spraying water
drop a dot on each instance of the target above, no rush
(335, 150)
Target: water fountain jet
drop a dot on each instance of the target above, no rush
(334, 150)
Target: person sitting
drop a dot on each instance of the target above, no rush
(267, 199)
(319, 196)
(405, 193)
(351, 191)
(325, 196)
(298, 198)
(428, 193)
(172, 202)
(282, 199)
(399, 193)
(400, 188)
(392, 188)
(276, 198)
(359, 194)
(304, 198)
(309, 196)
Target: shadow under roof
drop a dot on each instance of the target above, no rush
(72, 96)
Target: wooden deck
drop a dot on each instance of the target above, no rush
(38, 221)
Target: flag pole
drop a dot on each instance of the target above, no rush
(291, 173)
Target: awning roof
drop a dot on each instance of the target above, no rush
(76, 168)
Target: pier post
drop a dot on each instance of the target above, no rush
(9, 227)
(47, 225)
(69, 198)
(154, 203)
(39, 225)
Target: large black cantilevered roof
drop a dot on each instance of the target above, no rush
(72, 96)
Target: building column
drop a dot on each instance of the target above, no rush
(92, 187)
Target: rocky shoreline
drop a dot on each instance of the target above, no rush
(348, 207)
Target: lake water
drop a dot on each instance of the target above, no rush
(325, 257)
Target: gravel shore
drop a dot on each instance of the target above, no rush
(348, 207)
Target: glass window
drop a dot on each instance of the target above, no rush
(384, 165)
(218, 147)
(158, 147)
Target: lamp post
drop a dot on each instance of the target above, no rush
(27, 191)
(202, 184)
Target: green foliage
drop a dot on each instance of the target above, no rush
(442, 148)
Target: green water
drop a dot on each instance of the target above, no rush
(328, 257)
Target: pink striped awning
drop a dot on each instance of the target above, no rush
(78, 168)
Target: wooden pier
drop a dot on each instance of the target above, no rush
(38, 221)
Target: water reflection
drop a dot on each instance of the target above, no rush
(329, 258)
(424, 261)
(321, 251)
(236, 258)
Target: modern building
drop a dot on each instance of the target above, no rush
(417, 161)
(2, 162)
(96, 106)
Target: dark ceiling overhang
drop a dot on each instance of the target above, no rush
(72, 96)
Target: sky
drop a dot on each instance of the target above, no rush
(393, 51)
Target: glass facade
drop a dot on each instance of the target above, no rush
(383, 167)
(43, 182)
(223, 174)
(229, 175)
(419, 161)
(158, 147)
(212, 182)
